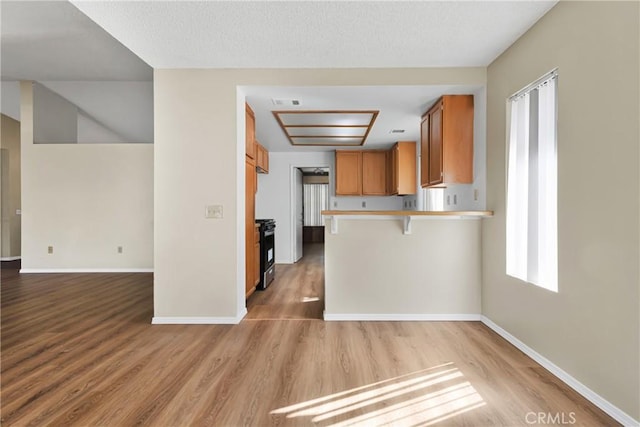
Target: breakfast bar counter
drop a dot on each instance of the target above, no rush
(403, 265)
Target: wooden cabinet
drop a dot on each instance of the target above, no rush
(402, 168)
(256, 256)
(348, 173)
(262, 159)
(374, 173)
(392, 156)
(377, 172)
(446, 142)
(250, 132)
(251, 186)
(250, 174)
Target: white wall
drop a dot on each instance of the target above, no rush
(274, 197)
(10, 102)
(372, 268)
(85, 201)
(199, 160)
(591, 327)
(55, 120)
(10, 188)
(125, 108)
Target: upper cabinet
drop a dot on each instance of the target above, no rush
(377, 172)
(262, 159)
(348, 173)
(402, 168)
(446, 142)
(374, 173)
(250, 132)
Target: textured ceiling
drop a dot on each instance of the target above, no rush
(230, 34)
(52, 40)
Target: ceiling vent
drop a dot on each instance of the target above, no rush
(396, 131)
(286, 102)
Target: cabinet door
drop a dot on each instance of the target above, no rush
(265, 159)
(392, 170)
(374, 173)
(457, 143)
(424, 151)
(259, 156)
(250, 132)
(405, 168)
(250, 173)
(435, 145)
(256, 262)
(348, 173)
(262, 158)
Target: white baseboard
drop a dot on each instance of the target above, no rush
(401, 317)
(159, 320)
(615, 412)
(86, 270)
(10, 258)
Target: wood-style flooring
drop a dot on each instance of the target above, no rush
(298, 291)
(79, 349)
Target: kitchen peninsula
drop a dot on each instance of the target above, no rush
(403, 265)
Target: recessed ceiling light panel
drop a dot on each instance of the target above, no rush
(326, 127)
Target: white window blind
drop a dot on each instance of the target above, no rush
(316, 199)
(532, 236)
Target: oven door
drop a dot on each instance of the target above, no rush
(269, 248)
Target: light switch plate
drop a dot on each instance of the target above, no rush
(213, 211)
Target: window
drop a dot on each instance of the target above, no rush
(316, 199)
(532, 208)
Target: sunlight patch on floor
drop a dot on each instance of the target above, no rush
(421, 398)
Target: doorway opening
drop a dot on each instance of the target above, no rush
(315, 191)
(297, 292)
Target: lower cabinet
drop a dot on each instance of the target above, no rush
(256, 262)
(250, 221)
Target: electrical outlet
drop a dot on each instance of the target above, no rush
(448, 199)
(414, 203)
(364, 204)
(119, 249)
(455, 199)
(213, 211)
(49, 249)
(335, 203)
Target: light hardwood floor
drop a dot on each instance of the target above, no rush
(79, 349)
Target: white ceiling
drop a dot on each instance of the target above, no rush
(301, 34)
(52, 40)
(55, 41)
(401, 107)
